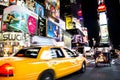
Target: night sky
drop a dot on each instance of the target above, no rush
(90, 15)
(113, 13)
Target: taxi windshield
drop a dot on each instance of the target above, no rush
(30, 53)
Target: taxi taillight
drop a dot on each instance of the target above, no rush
(6, 70)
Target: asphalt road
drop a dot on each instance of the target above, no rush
(102, 72)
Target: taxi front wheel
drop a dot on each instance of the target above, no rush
(46, 76)
(83, 69)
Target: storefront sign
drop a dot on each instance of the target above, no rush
(12, 36)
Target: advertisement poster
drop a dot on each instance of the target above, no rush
(21, 3)
(53, 8)
(53, 31)
(19, 19)
(102, 18)
(30, 5)
(4, 2)
(12, 2)
(104, 33)
(85, 37)
(41, 31)
(67, 39)
(77, 39)
(39, 10)
(0, 22)
(69, 24)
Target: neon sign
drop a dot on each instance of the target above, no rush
(101, 7)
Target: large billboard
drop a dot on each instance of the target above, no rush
(16, 18)
(53, 8)
(104, 33)
(68, 22)
(21, 3)
(30, 5)
(11, 36)
(12, 2)
(4, 2)
(102, 18)
(0, 21)
(39, 10)
(53, 31)
(41, 30)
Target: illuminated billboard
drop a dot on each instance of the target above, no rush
(16, 18)
(77, 40)
(53, 8)
(41, 30)
(53, 31)
(104, 33)
(39, 10)
(21, 3)
(0, 21)
(102, 18)
(12, 2)
(68, 23)
(85, 37)
(30, 5)
(101, 7)
(4, 2)
(11, 36)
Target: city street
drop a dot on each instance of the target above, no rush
(102, 72)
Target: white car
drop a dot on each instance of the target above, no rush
(88, 51)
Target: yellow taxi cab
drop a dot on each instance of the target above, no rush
(41, 63)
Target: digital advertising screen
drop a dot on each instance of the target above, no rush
(12, 2)
(85, 37)
(16, 18)
(68, 22)
(21, 3)
(104, 33)
(67, 39)
(11, 36)
(30, 5)
(41, 26)
(0, 22)
(53, 31)
(39, 10)
(4, 2)
(102, 18)
(53, 8)
(77, 39)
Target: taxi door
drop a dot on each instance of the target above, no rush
(60, 63)
(73, 58)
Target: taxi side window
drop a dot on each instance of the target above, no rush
(57, 53)
(31, 53)
(70, 53)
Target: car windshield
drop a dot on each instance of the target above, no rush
(30, 52)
